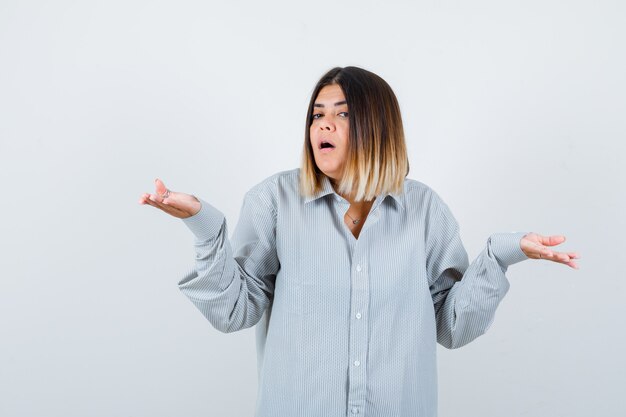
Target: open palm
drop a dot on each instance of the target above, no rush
(536, 246)
(177, 204)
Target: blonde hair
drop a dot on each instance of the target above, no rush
(377, 161)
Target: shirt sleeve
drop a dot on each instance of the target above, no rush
(232, 285)
(465, 296)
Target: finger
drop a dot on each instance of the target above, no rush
(156, 198)
(161, 201)
(147, 199)
(173, 210)
(572, 264)
(150, 202)
(560, 256)
(568, 262)
(564, 257)
(150, 199)
(143, 199)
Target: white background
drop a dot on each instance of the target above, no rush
(513, 111)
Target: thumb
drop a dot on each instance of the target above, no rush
(552, 240)
(160, 187)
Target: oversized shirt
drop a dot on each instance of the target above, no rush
(345, 326)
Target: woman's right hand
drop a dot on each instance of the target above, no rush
(177, 204)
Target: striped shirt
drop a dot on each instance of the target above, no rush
(345, 326)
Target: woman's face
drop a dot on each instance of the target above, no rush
(329, 131)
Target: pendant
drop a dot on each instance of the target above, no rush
(355, 221)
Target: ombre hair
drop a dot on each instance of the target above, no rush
(377, 161)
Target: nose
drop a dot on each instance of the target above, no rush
(327, 125)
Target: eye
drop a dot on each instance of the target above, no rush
(343, 114)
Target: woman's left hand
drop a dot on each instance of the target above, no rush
(535, 246)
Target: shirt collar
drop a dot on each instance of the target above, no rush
(327, 188)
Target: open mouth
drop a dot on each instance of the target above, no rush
(326, 145)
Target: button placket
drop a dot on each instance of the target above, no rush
(359, 302)
(357, 375)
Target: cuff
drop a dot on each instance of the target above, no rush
(206, 223)
(506, 247)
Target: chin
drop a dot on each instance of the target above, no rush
(334, 174)
(330, 170)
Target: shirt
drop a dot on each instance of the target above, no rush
(345, 326)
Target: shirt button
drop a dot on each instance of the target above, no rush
(358, 268)
(355, 410)
(358, 315)
(357, 363)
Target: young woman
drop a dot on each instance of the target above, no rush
(351, 271)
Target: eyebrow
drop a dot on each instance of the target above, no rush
(339, 103)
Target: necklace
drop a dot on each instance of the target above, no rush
(353, 220)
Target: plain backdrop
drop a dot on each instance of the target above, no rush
(514, 112)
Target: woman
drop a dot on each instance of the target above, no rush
(351, 271)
